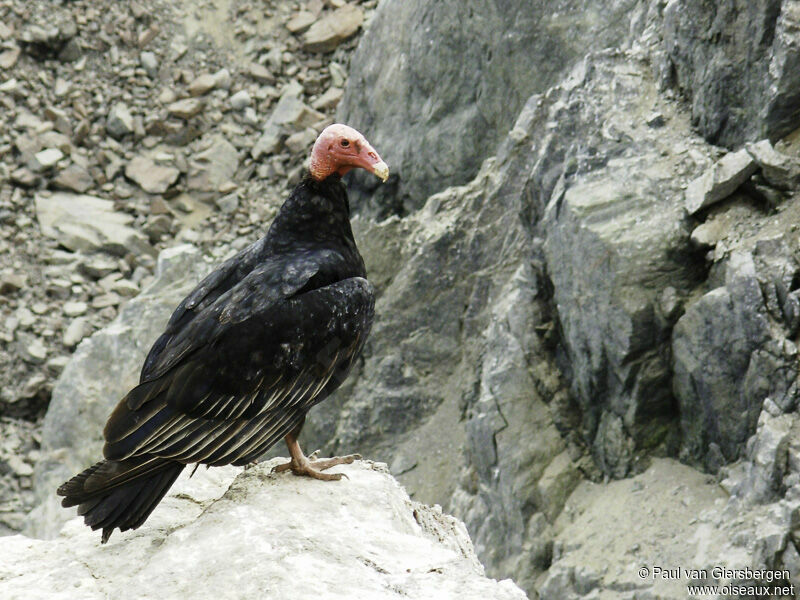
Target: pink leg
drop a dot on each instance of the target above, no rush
(301, 465)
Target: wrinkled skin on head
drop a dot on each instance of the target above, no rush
(340, 148)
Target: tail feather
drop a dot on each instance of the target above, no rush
(150, 497)
(122, 494)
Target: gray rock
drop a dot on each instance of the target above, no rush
(228, 203)
(778, 169)
(186, 108)
(60, 119)
(274, 59)
(214, 166)
(791, 560)
(706, 235)
(608, 249)
(75, 332)
(71, 51)
(293, 112)
(149, 63)
(712, 347)
(301, 21)
(125, 288)
(202, 84)
(105, 300)
(329, 99)
(158, 226)
(47, 159)
(720, 181)
(338, 74)
(39, 308)
(655, 120)
(97, 266)
(74, 178)
(331, 30)
(19, 467)
(767, 463)
(250, 117)
(10, 86)
(25, 316)
(167, 96)
(614, 242)
(62, 87)
(74, 309)
(9, 58)
(56, 140)
(268, 143)
(260, 73)
(772, 373)
(152, 178)
(222, 79)
(120, 121)
(738, 63)
(382, 541)
(456, 104)
(240, 100)
(301, 142)
(32, 349)
(86, 223)
(11, 282)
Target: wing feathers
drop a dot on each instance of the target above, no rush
(201, 410)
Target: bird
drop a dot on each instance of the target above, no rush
(270, 333)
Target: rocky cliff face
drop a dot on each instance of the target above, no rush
(599, 293)
(438, 84)
(583, 313)
(738, 64)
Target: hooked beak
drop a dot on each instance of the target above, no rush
(382, 171)
(369, 160)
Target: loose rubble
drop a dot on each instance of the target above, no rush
(126, 128)
(779, 170)
(327, 33)
(720, 181)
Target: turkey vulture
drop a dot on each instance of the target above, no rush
(262, 339)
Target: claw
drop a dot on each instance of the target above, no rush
(282, 467)
(301, 465)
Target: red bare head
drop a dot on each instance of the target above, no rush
(340, 148)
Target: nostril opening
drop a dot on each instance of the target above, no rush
(373, 155)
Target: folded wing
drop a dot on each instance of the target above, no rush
(245, 370)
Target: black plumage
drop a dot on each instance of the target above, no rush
(262, 339)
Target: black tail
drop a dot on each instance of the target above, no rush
(120, 493)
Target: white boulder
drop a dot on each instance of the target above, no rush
(229, 533)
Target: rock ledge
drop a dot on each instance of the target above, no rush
(230, 534)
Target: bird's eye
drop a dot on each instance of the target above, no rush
(345, 143)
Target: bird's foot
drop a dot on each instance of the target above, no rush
(250, 465)
(313, 468)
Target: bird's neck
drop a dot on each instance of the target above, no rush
(316, 212)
